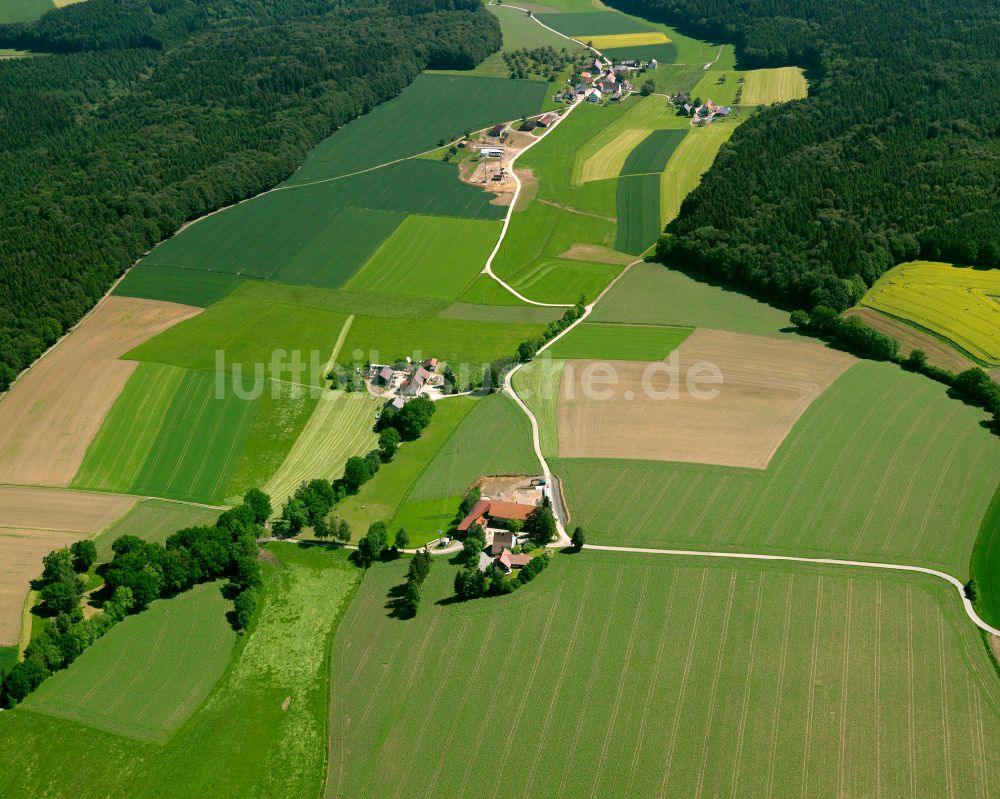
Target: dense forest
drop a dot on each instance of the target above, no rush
(147, 113)
(895, 155)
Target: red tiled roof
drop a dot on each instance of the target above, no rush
(475, 515)
(510, 510)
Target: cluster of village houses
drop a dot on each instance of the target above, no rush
(703, 114)
(494, 517)
(606, 81)
(402, 384)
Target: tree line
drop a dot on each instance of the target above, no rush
(144, 114)
(894, 155)
(139, 573)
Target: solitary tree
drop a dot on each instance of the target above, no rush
(402, 540)
(84, 555)
(578, 539)
(374, 544)
(388, 443)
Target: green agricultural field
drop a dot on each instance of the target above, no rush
(495, 438)
(23, 10)
(564, 281)
(638, 202)
(653, 152)
(847, 683)
(254, 736)
(8, 657)
(664, 53)
(432, 108)
(652, 294)
(692, 158)
(876, 469)
(250, 335)
(186, 286)
(594, 23)
(340, 426)
(198, 447)
(347, 302)
(147, 676)
(455, 341)
(315, 236)
(507, 313)
(381, 497)
(719, 86)
(537, 384)
(765, 86)
(282, 413)
(985, 564)
(130, 430)
(429, 257)
(425, 519)
(154, 520)
(619, 342)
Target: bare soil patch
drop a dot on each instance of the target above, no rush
(938, 353)
(594, 253)
(767, 384)
(50, 416)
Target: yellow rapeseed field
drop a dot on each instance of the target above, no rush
(959, 304)
(626, 40)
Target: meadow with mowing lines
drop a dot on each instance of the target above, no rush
(276, 748)
(495, 438)
(250, 334)
(720, 86)
(518, 313)
(432, 108)
(381, 497)
(692, 158)
(198, 448)
(147, 676)
(653, 152)
(847, 683)
(619, 342)
(153, 520)
(454, 341)
(278, 421)
(875, 469)
(958, 304)
(537, 384)
(429, 256)
(653, 294)
(780, 85)
(340, 426)
(186, 286)
(607, 162)
(638, 203)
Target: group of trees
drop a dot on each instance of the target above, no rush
(139, 573)
(416, 573)
(895, 154)
(409, 421)
(149, 113)
(471, 583)
(544, 62)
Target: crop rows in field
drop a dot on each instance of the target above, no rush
(652, 153)
(594, 23)
(957, 303)
(638, 203)
(340, 426)
(150, 672)
(875, 469)
(845, 683)
(775, 85)
(692, 158)
(537, 384)
(187, 286)
(619, 342)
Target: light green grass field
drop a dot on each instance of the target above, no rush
(249, 334)
(692, 158)
(451, 340)
(186, 286)
(282, 413)
(433, 107)
(339, 300)
(719, 86)
(340, 426)
(655, 295)
(619, 342)
(23, 10)
(765, 86)
(508, 313)
(147, 676)
(130, 430)
(537, 384)
(495, 438)
(381, 497)
(429, 256)
(667, 677)
(255, 735)
(876, 469)
(153, 520)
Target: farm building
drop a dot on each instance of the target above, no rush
(594, 96)
(497, 131)
(508, 561)
(495, 513)
(652, 63)
(528, 125)
(416, 383)
(546, 119)
(502, 541)
(383, 376)
(431, 364)
(491, 152)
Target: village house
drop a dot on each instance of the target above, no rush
(416, 383)
(508, 561)
(652, 63)
(594, 96)
(431, 364)
(383, 377)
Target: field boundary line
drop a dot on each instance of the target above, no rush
(865, 564)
